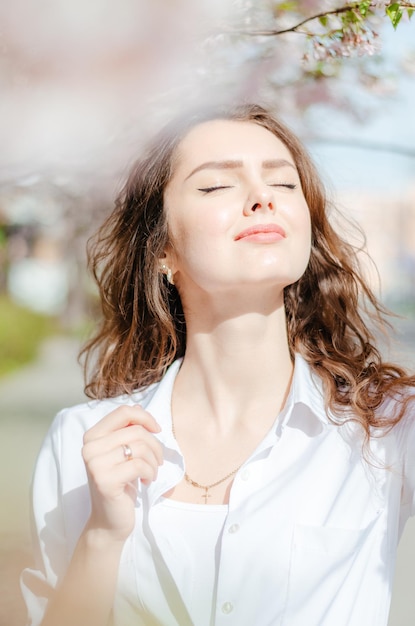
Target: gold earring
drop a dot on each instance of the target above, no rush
(169, 274)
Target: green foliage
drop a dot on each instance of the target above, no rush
(364, 8)
(289, 5)
(351, 17)
(394, 12)
(3, 237)
(21, 332)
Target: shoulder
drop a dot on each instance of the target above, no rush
(76, 420)
(64, 439)
(402, 438)
(59, 463)
(81, 417)
(399, 403)
(398, 408)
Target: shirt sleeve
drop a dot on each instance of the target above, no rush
(408, 486)
(51, 499)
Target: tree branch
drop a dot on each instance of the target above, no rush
(294, 29)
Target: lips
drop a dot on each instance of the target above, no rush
(265, 232)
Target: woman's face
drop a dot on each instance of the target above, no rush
(236, 212)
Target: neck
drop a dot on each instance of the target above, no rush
(234, 366)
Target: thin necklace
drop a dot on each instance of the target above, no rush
(206, 488)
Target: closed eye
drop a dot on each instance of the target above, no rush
(286, 185)
(210, 189)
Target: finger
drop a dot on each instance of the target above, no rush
(139, 450)
(120, 418)
(110, 480)
(135, 436)
(102, 465)
(125, 436)
(135, 469)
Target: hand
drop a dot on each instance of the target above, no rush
(112, 477)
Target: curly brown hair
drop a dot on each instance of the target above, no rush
(143, 328)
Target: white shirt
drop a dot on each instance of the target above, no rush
(189, 537)
(310, 535)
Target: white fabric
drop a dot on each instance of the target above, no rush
(310, 536)
(188, 536)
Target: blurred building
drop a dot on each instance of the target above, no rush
(44, 229)
(388, 223)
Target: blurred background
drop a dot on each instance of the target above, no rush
(84, 85)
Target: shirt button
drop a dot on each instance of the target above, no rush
(227, 607)
(233, 529)
(245, 474)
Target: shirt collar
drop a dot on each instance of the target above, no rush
(304, 409)
(307, 389)
(160, 402)
(159, 406)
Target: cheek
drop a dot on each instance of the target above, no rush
(307, 224)
(199, 224)
(303, 219)
(303, 229)
(307, 236)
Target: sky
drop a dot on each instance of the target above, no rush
(392, 122)
(74, 114)
(79, 109)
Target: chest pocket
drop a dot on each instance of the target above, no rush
(323, 584)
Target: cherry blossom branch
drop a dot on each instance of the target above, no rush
(357, 6)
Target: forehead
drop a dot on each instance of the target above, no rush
(225, 139)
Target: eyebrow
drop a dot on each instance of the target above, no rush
(270, 164)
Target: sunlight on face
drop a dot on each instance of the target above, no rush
(236, 211)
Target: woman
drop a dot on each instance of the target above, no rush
(248, 459)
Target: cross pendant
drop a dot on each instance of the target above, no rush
(206, 495)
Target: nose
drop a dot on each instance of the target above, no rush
(259, 199)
